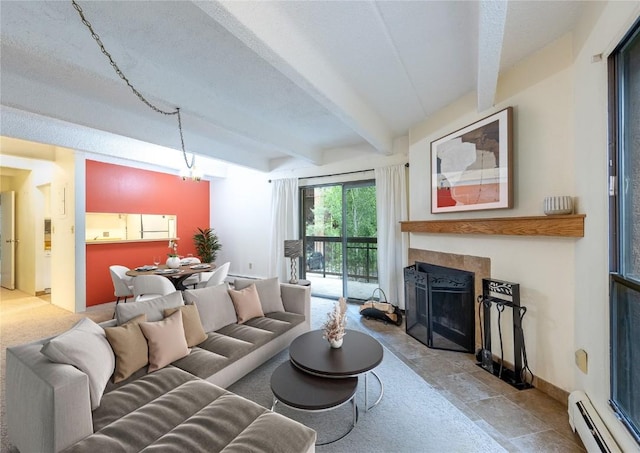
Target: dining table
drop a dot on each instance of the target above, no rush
(176, 276)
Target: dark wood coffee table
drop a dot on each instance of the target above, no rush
(360, 354)
(303, 391)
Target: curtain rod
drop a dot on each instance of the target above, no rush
(340, 174)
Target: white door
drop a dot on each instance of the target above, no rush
(8, 239)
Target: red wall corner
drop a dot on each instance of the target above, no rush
(116, 188)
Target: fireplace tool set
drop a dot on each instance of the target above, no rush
(503, 295)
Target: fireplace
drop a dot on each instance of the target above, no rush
(440, 308)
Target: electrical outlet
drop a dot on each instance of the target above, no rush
(105, 234)
(250, 266)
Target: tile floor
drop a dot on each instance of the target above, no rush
(520, 421)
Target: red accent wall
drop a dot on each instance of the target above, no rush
(116, 188)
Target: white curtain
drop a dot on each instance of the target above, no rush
(284, 224)
(391, 204)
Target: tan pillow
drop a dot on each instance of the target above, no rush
(247, 303)
(166, 341)
(129, 346)
(193, 330)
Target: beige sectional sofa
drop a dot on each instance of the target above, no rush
(55, 402)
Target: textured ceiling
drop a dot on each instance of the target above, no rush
(262, 82)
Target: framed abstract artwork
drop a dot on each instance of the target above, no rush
(471, 169)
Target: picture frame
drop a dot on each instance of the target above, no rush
(472, 168)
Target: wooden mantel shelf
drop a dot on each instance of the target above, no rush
(553, 225)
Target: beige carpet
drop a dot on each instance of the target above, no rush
(25, 318)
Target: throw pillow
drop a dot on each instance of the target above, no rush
(166, 341)
(129, 346)
(193, 331)
(214, 306)
(85, 347)
(268, 291)
(153, 308)
(246, 303)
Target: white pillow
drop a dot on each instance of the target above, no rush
(153, 308)
(85, 346)
(268, 292)
(214, 306)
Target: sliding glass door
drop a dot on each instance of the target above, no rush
(339, 222)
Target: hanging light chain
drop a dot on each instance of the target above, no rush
(95, 36)
(193, 156)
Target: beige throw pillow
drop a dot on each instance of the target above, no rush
(129, 346)
(166, 341)
(268, 292)
(193, 331)
(246, 303)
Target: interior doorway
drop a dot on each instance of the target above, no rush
(8, 239)
(340, 239)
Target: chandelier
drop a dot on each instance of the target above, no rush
(190, 171)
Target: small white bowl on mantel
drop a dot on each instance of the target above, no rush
(561, 205)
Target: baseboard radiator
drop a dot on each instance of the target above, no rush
(586, 422)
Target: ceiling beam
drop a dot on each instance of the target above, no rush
(272, 37)
(492, 18)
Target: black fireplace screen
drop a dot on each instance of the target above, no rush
(439, 304)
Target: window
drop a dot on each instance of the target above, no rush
(624, 70)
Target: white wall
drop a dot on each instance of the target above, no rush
(544, 267)
(63, 238)
(241, 215)
(591, 312)
(560, 101)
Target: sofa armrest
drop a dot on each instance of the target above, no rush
(296, 299)
(47, 404)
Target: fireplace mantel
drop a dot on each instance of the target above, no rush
(554, 225)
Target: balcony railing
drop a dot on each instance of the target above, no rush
(324, 256)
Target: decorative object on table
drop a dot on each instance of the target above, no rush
(207, 244)
(293, 250)
(381, 309)
(334, 326)
(558, 205)
(173, 260)
(471, 169)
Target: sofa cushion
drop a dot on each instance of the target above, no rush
(268, 292)
(202, 363)
(172, 411)
(166, 341)
(134, 395)
(214, 305)
(193, 330)
(129, 346)
(153, 308)
(247, 303)
(85, 346)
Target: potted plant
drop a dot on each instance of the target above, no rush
(207, 244)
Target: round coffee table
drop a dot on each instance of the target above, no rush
(303, 391)
(360, 354)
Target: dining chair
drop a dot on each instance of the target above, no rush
(147, 287)
(122, 283)
(214, 278)
(193, 279)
